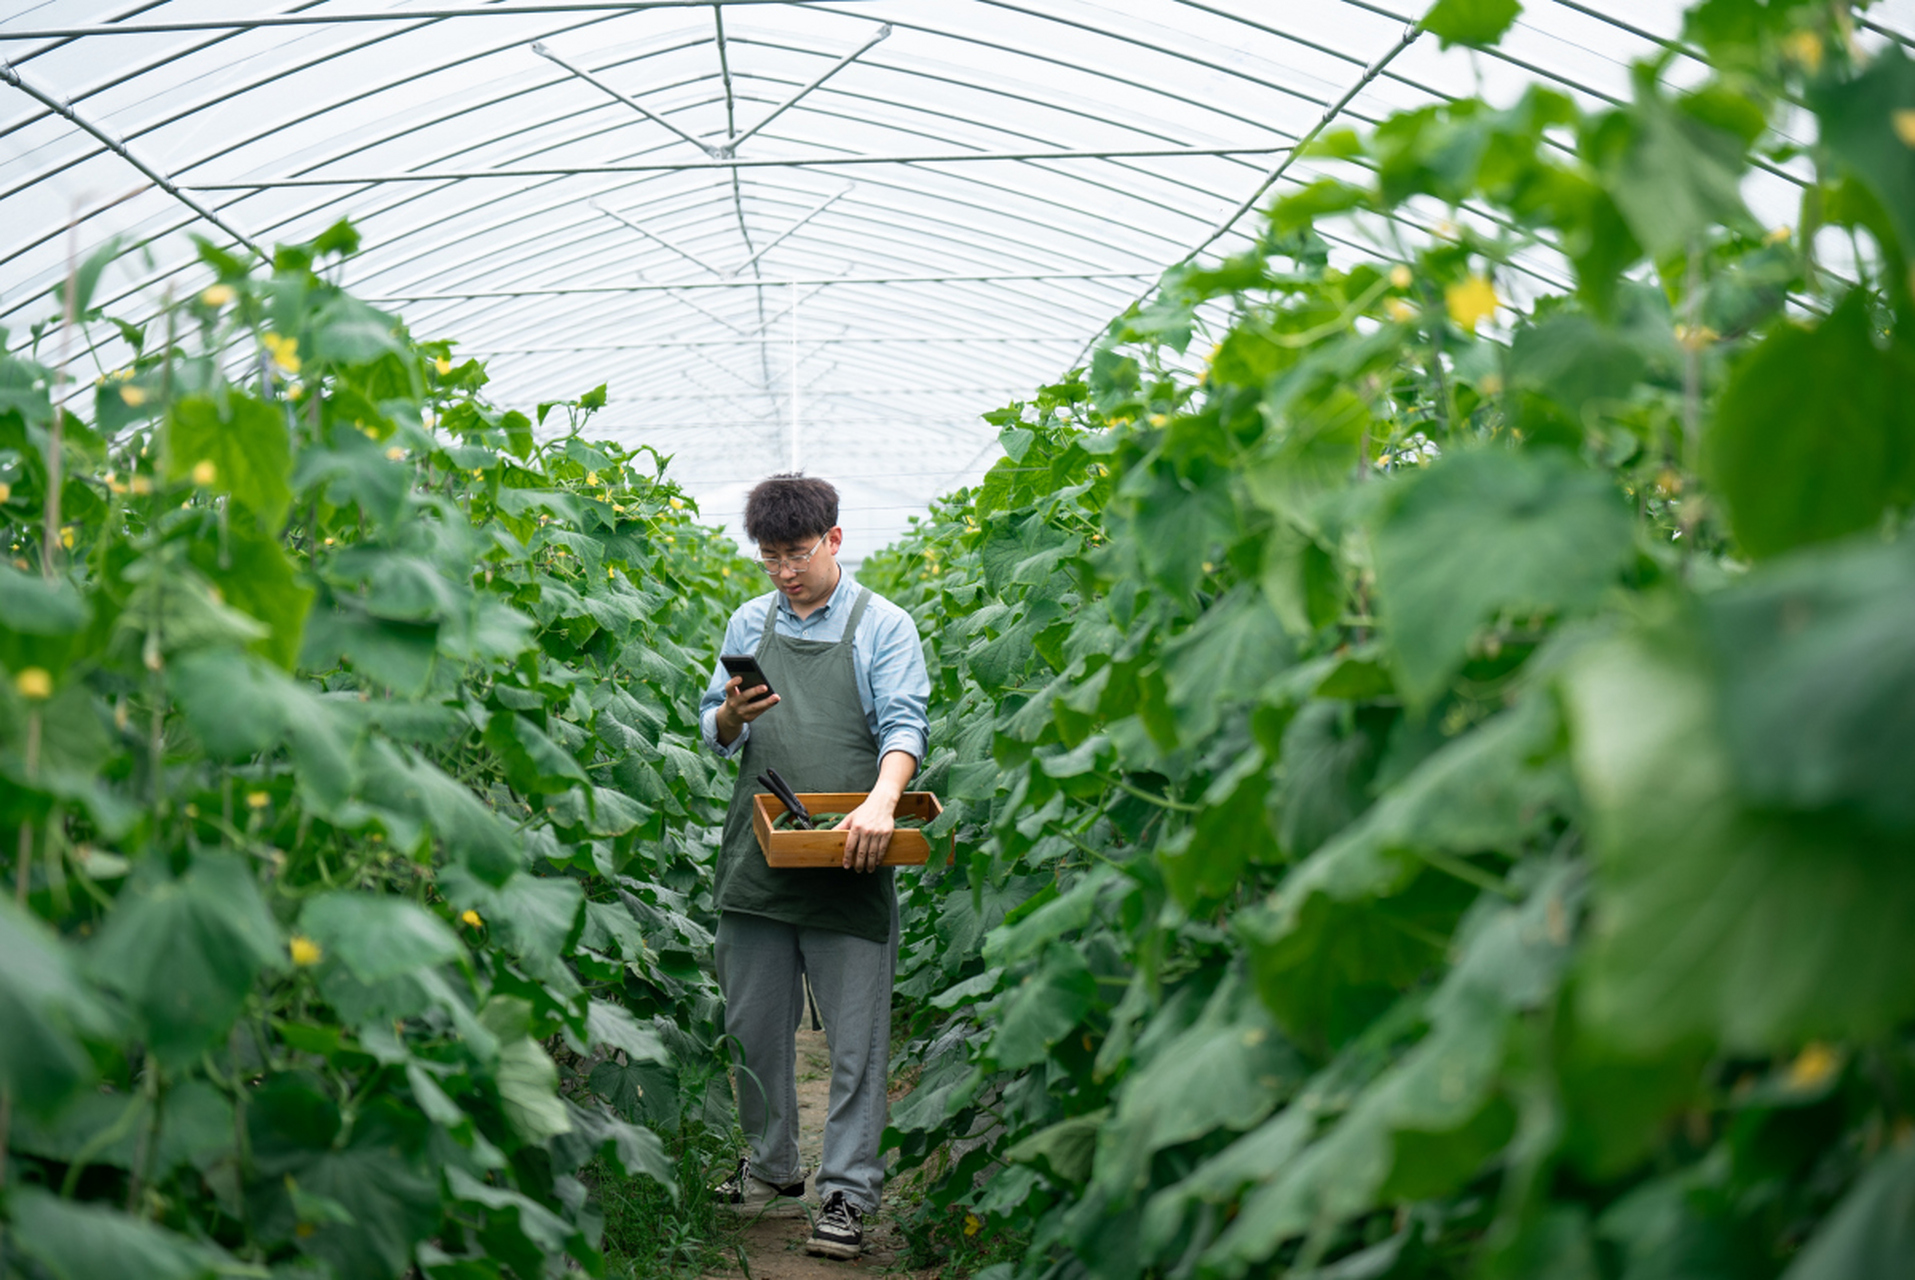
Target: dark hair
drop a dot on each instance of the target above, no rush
(790, 507)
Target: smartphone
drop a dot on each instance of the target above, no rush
(745, 666)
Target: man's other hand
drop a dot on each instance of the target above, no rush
(868, 831)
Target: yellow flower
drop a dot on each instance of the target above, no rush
(6, 492)
(1399, 310)
(1401, 276)
(678, 504)
(1805, 49)
(591, 478)
(1815, 1064)
(1695, 339)
(617, 508)
(1471, 301)
(217, 295)
(283, 350)
(66, 538)
(142, 484)
(396, 453)
(204, 472)
(34, 684)
(971, 1224)
(1778, 236)
(471, 917)
(443, 365)
(192, 811)
(305, 951)
(257, 799)
(1904, 121)
(132, 396)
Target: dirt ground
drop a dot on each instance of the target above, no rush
(775, 1247)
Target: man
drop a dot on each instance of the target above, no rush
(848, 715)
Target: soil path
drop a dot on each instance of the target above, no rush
(775, 1247)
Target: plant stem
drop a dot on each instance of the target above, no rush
(1162, 802)
(50, 530)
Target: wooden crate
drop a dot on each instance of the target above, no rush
(909, 848)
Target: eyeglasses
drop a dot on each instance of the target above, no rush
(799, 563)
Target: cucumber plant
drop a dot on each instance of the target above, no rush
(1431, 777)
(355, 824)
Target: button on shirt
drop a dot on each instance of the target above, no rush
(892, 682)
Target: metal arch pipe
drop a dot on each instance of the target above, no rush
(884, 33)
(735, 162)
(538, 47)
(380, 15)
(646, 56)
(158, 178)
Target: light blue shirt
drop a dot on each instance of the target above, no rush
(892, 682)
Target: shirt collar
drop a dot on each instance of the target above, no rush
(846, 585)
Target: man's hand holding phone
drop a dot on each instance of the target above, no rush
(742, 706)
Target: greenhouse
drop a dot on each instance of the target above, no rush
(1338, 580)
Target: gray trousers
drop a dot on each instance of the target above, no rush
(759, 962)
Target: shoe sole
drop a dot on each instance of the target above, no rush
(831, 1249)
(783, 1207)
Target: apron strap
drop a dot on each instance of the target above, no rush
(771, 622)
(857, 612)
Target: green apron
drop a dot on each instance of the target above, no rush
(818, 739)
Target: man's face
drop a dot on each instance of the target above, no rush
(813, 584)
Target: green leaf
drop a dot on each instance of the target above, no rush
(533, 762)
(246, 442)
(185, 952)
(399, 655)
(1366, 916)
(1859, 124)
(527, 1078)
(1065, 1148)
(1485, 531)
(1236, 646)
(1471, 21)
(1041, 1011)
(1872, 1232)
(1815, 434)
(254, 575)
(473, 835)
(1816, 662)
(1246, 1067)
(236, 704)
(370, 1197)
(540, 916)
(89, 1241)
(86, 278)
(347, 331)
(44, 1004)
(378, 937)
(1673, 177)
(31, 605)
(1427, 1124)
(1754, 929)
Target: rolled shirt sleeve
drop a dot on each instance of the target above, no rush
(900, 686)
(736, 641)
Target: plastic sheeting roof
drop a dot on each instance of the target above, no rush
(827, 234)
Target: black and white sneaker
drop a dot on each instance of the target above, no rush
(750, 1195)
(839, 1230)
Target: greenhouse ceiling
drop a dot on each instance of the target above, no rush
(823, 234)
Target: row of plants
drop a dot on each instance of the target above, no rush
(356, 830)
(1433, 783)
